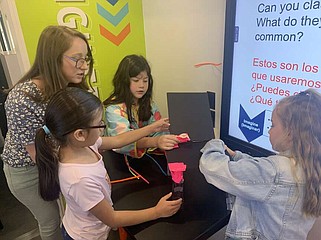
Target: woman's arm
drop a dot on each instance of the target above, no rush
(32, 151)
(104, 212)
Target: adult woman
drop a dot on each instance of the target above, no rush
(63, 58)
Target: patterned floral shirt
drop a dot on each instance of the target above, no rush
(24, 117)
(117, 122)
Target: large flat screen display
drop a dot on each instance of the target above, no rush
(272, 50)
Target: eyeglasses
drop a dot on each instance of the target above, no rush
(102, 125)
(79, 62)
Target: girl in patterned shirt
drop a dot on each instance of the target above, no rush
(130, 106)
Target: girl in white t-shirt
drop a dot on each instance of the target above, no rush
(69, 162)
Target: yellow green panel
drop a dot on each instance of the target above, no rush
(115, 27)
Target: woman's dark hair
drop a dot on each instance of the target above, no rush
(129, 67)
(68, 110)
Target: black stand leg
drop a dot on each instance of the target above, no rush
(1, 225)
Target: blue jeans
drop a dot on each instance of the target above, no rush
(65, 235)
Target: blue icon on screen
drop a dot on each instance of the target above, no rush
(251, 128)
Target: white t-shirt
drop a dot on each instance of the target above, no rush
(84, 186)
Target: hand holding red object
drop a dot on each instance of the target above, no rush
(182, 138)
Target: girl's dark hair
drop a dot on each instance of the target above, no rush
(131, 66)
(301, 118)
(69, 109)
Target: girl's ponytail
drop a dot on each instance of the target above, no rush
(67, 110)
(47, 162)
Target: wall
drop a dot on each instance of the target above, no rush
(179, 34)
(113, 28)
(15, 64)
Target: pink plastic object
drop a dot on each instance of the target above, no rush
(177, 170)
(183, 137)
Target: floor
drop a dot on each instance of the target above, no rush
(217, 236)
(19, 223)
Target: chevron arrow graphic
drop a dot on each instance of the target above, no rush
(116, 39)
(115, 20)
(252, 128)
(112, 2)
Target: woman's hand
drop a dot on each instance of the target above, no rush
(166, 208)
(161, 125)
(167, 142)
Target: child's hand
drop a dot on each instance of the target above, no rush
(229, 151)
(161, 125)
(166, 208)
(182, 138)
(167, 142)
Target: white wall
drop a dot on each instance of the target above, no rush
(179, 34)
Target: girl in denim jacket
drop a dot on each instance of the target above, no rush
(277, 197)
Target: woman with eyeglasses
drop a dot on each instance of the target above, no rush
(69, 161)
(63, 58)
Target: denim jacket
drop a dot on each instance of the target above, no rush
(268, 190)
